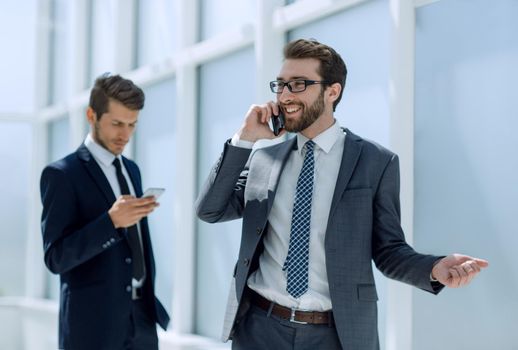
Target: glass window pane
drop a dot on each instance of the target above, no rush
(157, 37)
(18, 36)
(15, 160)
(364, 107)
(58, 132)
(103, 38)
(154, 153)
(218, 16)
(221, 113)
(466, 166)
(60, 51)
(58, 138)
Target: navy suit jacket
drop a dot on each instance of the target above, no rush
(92, 258)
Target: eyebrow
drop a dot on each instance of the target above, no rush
(123, 122)
(292, 78)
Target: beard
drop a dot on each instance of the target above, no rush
(97, 135)
(309, 115)
(103, 140)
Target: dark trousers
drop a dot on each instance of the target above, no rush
(142, 334)
(259, 330)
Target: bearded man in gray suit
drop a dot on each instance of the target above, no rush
(316, 210)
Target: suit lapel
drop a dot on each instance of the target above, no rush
(350, 156)
(278, 164)
(96, 173)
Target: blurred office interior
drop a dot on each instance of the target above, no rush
(433, 80)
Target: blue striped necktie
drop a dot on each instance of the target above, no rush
(296, 263)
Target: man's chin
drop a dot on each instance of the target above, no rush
(291, 125)
(294, 127)
(290, 128)
(116, 150)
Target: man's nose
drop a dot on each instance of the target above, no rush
(126, 132)
(285, 94)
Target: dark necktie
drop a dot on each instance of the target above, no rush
(132, 234)
(297, 260)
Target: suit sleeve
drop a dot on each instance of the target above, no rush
(392, 255)
(67, 241)
(222, 196)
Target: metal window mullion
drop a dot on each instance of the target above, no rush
(184, 266)
(401, 98)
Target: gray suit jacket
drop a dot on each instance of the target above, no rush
(363, 225)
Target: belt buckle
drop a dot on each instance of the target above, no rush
(292, 317)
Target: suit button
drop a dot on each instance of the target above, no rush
(246, 262)
(112, 240)
(259, 231)
(128, 289)
(128, 260)
(105, 246)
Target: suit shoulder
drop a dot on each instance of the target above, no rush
(371, 147)
(61, 172)
(65, 164)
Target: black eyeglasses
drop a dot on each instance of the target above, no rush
(297, 85)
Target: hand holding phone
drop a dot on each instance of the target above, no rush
(153, 192)
(278, 123)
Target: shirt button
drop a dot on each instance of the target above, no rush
(128, 289)
(128, 260)
(246, 262)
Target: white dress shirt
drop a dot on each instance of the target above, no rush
(104, 159)
(269, 279)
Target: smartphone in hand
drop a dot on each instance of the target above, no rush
(153, 191)
(277, 123)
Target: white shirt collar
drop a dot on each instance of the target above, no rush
(325, 140)
(100, 153)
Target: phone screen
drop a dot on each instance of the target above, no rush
(153, 191)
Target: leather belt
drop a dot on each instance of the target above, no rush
(292, 315)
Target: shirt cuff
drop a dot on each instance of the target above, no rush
(236, 141)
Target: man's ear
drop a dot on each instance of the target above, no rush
(333, 91)
(90, 115)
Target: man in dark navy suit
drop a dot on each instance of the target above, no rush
(95, 232)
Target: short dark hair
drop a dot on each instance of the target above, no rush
(332, 67)
(116, 88)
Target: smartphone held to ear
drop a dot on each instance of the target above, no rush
(153, 191)
(277, 123)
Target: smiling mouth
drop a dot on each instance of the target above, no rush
(292, 109)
